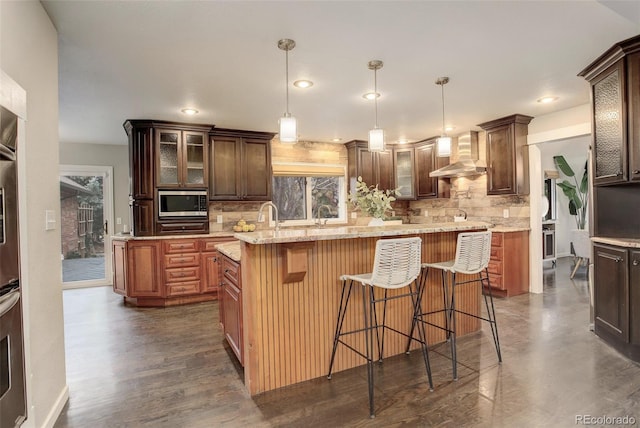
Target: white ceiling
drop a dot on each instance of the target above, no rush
(149, 59)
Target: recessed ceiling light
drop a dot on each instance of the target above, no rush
(449, 128)
(403, 141)
(303, 83)
(189, 111)
(371, 95)
(336, 140)
(547, 100)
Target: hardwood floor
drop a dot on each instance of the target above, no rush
(170, 367)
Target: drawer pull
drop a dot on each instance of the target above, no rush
(215, 259)
(618, 259)
(636, 262)
(636, 172)
(226, 271)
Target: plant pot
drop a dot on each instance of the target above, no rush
(375, 221)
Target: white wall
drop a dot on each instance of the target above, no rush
(29, 55)
(113, 155)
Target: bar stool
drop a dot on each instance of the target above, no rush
(473, 251)
(396, 265)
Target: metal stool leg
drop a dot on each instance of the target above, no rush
(417, 312)
(452, 311)
(368, 337)
(419, 293)
(342, 310)
(491, 313)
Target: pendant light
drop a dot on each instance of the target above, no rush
(376, 135)
(443, 145)
(288, 124)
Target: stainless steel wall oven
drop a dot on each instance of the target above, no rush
(12, 380)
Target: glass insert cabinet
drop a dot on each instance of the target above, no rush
(181, 157)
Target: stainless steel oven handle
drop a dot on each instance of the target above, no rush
(8, 301)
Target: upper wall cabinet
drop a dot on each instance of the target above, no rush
(181, 158)
(426, 162)
(404, 172)
(373, 167)
(507, 155)
(240, 165)
(615, 104)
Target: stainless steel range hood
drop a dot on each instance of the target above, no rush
(468, 163)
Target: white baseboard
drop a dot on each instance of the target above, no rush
(55, 411)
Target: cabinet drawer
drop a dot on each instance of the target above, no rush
(496, 253)
(180, 260)
(496, 239)
(231, 269)
(176, 228)
(209, 245)
(181, 246)
(182, 274)
(181, 288)
(495, 267)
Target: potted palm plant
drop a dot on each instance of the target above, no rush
(577, 192)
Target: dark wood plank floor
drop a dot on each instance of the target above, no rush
(170, 367)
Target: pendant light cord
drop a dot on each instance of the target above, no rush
(443, 130)
(286, 83)
(375, 94)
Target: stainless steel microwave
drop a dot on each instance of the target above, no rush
(182, 203)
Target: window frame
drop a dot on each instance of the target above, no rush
(310, 220)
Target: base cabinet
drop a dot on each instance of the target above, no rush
(617, 297)
(164, 272)
(231, 306)
(509, 264)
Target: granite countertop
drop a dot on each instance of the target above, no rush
(230, 249)
(621, 242)
(127, 237)
(349, 232)
(509, 229)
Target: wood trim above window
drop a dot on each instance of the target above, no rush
(308, 170)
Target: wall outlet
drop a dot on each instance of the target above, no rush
(354, 215)
(119, 220)
(219, 218)
(505, 213)
(426, 213)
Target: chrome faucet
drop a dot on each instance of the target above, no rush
(275, 211)
(318, 219)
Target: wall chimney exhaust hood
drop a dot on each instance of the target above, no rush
(468, 163)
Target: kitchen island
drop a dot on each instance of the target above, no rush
(291, 292)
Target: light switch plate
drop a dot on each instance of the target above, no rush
(49, 220)
(505, 213)
(354, 215)
(119, 220)
(426, 213)
(219, 218)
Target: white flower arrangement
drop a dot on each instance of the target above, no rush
(371, 200)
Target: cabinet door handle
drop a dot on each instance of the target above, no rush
(618, 259)
(636, 262)
(215, 259)
(226, 271)
(636, 171)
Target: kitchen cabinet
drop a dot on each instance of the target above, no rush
(240, 165)
(615, 101)
(139, 265)
(210, 261)
(611, 292)
(426, 162)
(181, 160)
(404, 170)
(164, 155)
(509, 263)
(373, 167)
(231, 303)
(507, 155)
(164, 272)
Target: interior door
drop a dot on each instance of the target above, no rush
(86, 224)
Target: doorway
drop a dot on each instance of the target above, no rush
(86, 222)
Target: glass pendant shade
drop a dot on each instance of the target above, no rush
(443, 147)
(288, 129)
(376, 140)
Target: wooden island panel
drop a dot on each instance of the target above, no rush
(289, 327)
